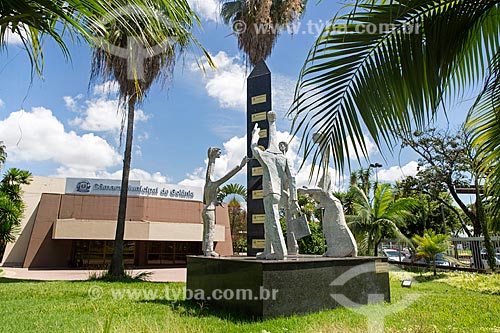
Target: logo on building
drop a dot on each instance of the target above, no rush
(83, 186)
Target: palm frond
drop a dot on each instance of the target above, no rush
(382, 199)
(232, 189)
(387, 66)
(231, 10)
(483, 126)
(262, 21)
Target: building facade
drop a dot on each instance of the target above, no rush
(71, 223)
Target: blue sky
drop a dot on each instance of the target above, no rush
(62, 126)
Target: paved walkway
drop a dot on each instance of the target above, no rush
(158, 274)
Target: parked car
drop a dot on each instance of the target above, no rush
(441, 260)
(393, 255)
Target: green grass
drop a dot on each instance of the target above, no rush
(450, 302)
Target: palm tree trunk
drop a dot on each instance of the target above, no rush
(116, 267)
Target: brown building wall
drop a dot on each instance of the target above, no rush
(43, 251)
(87, 207)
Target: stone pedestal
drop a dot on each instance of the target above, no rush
(297, 285)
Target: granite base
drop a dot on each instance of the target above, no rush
(297, 285)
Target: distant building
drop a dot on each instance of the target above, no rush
(71, 223)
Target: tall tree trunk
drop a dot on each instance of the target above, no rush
(116, 267)
(490, 251)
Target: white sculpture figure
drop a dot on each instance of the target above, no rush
(210, 200)
(339, 239)
(291, 241)
(276, 176)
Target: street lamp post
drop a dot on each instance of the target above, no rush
(376, 166)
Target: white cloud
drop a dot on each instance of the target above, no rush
(107, 88)
(143, 137)
(39, 136)
(371, 147)
(138, 151)
(208, 10)
(2, 103)
(283, 93)
(302, 177)
(13, 38)
(227, 84)
(196, 178)
(397, 172)
(103, 115)
(135, 174)
(72, 102)
(232, 153)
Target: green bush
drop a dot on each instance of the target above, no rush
(312, 244)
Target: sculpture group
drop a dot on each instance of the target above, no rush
(280, 193)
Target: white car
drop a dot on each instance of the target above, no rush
(393, 255)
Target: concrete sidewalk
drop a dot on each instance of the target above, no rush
(158, 274)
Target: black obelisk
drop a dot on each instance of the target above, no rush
(258, 104)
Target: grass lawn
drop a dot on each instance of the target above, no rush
(451, 302)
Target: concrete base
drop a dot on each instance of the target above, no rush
(273, 288)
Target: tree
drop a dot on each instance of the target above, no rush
(257, 23)
(232, 189)
(390, 66)
(32, 21)
(381, 218)
(238, 223)
(314, 243)
(3, 154)
(135, 70)
(430, 245)
(237, 214)
(11, 205)
(434, 211)
(361, 179)
(444, 165)
(448, 161)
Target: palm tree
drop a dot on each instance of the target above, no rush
(258, 23)
(237, 214)
(430, 245)
(11, 205)
(232, 189)
(3, 155)
(10, 214)
(12, 181)
(361, 179)
(136, 69)
(389, 67)
(33, 20)
(378, 219)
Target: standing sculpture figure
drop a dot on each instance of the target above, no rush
(291, 241)
(210, 192)
(276, 176)
(339, 240)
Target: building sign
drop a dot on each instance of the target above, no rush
(136, 188)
